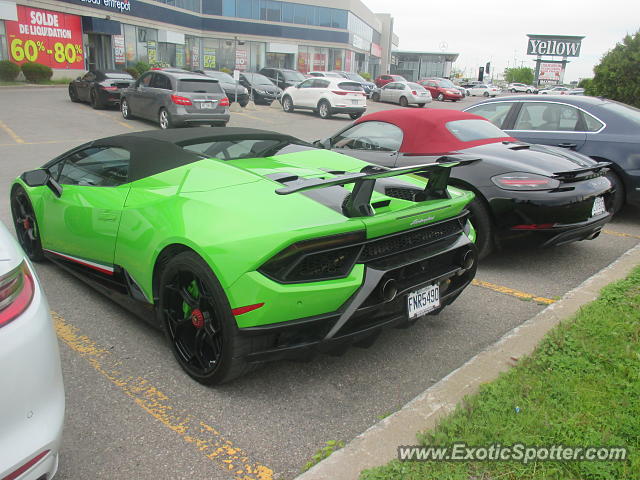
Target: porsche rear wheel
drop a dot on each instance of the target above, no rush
(73, 95)
(481, 220)
(198, 322)
(93, 100)
(24, 221)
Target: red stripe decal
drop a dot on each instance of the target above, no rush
(84, 263)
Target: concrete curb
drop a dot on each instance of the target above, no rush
(35, 85)
(378, 444)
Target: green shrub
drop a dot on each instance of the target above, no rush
(365, 75)
(132, 71)
(585, 83)
(141, 67)
(8, 71)
(36, 72)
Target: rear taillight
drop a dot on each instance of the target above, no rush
(110, 88)
(17, 473)
(224, 102)
(16, 293)
(525, 181)
(178, 100)
(413, 92)
(339, 92)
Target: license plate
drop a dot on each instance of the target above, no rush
(206, 105)
(355, 102)
(598, 207)
(423, 301)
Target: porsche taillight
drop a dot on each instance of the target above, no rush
(16, 293)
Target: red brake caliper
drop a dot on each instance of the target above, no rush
(26, 224)
(197, 318)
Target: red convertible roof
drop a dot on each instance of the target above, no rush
(425, 130)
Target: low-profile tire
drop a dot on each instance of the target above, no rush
(619, 195)
(324, 109)
(440, 97)
(375, 97)
(355, 116)
(125, 109)
(481, 220)
(287, 104)
(93, 100)
(244, 103)
(26, 225)
(73, 95)
(528, 91)
(486, 94)
(404, 102)
(164, 119)
(197, 320)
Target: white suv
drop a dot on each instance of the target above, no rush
(521, 87)
(327, 96)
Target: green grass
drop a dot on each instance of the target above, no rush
(330, 447)
(581, 387)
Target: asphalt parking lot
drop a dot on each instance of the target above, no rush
(132, 412)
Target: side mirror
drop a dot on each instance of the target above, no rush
(326, 143)
(55, 187)
(35, 178)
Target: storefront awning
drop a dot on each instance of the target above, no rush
(100, 25)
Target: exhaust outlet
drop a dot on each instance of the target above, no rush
(389, 290)
(468, 260)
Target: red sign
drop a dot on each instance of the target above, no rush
(376, 50)
(49, 38)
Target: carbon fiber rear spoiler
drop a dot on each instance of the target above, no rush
(359, 201)
(578, 171)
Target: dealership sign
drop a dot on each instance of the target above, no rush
(50, 38)
(555, 45)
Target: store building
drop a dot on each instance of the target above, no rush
(231, 34)
(416, 65)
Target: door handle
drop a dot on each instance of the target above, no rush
(567, 145)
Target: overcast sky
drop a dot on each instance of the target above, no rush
(489, 30)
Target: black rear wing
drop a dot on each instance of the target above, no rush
(358, 203)
(580, 173)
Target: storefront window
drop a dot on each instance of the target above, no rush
(257, 58)
(3, 43)
(147, 45)
(229, 8)
(270, 10)
(336, 59)
(320, 59)
(192, 53)
(210, 48)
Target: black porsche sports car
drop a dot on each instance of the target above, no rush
(99, 88)
(555, 194)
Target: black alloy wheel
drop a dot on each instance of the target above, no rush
(73, 94)
(24, 221)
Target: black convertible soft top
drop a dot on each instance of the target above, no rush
(156, 151)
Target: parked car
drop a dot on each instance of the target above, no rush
(263, 90)
(521, 87)
(250, 250)
(555, 195)
(327, 96)
(234, 91)
(325, 74)
(576, 91)
(99, 88)
(368, 86)
(402, 93)
(283, 77)
(601, 129)
(483, 90)
(555, 91)
(32, 400)
(442, 89)
(176, 99)
(382, 80)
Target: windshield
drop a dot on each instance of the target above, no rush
(293, 76)
(356, 77)
(258, 79)
(446, 84)
(415, 86)
(239, 148)
(398, 78)
(629, 113)
(470, 130)
(223, 77)
(199, 86)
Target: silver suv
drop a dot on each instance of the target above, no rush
(175, 99)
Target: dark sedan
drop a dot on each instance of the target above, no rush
(99, 88)
(550, 194)
(601, 129)
(263, 90)
(367, 86)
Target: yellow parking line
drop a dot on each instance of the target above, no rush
(250, 116)
(47, 142)
(512, 292)
(621, 234)
(11, 133)
(198, 434)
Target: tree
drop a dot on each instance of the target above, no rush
(585, 83)
(617, 76)
(519, 75)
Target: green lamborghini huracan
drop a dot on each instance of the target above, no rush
(247, 245)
